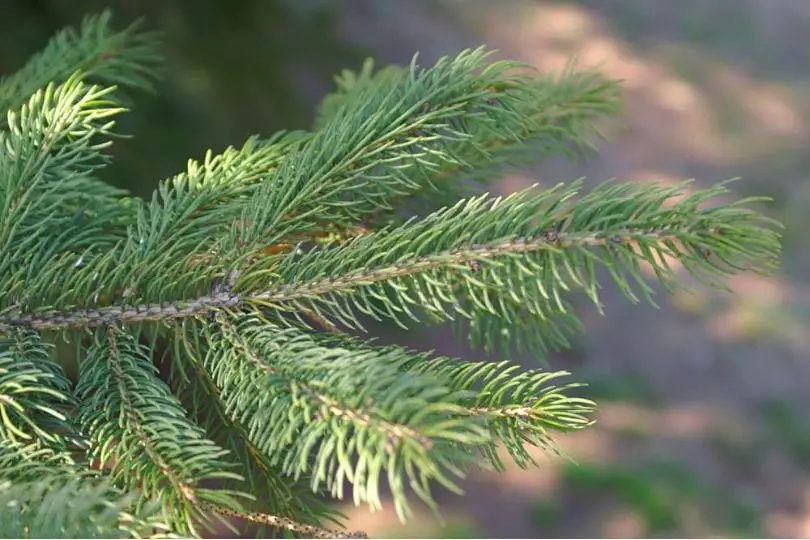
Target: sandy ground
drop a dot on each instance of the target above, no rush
(702, 101)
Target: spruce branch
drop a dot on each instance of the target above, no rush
(384, 416)
(34, 393)
(128, 58)
(560, 121)
(51, 148)
(518, 406)
(133, 420)
(183, 204)
(55, 135)
(308, 531)
(527, 264)
(240, 255)
(30, 462)
(377, 396)
(514, 239)
(45, 494)
(72, 508)
(276, 494)
(391, 140)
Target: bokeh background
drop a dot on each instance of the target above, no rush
(704, 422)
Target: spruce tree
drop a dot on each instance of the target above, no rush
(251, 276)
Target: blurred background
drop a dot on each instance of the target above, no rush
(704, 422)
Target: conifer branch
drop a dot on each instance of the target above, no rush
(518, 406)
(239, 256)
(628, 223)
(308, 531)
(132, 420)
(45, 494)
(326, 387)
(129, 58)
(34, 393)
(293, 499)
(392, 139)
(563, 124)
(111, 315)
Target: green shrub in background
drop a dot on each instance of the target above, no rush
(248, 277)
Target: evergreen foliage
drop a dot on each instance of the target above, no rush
(251, 273)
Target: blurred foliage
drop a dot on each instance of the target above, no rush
(235, 68)
(741, 451)
(790, 429)
(456, 528)
(625, 388)
(745, 37)
(662, 493)
(546, 513)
